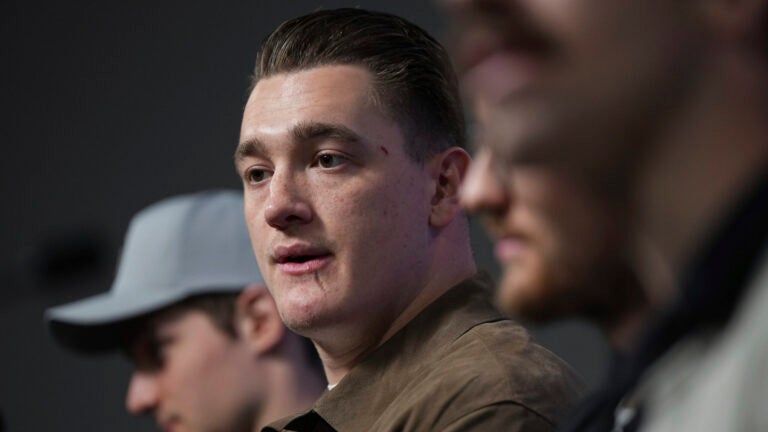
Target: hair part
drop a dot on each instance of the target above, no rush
(413, 79)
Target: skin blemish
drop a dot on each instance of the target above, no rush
(384, 150)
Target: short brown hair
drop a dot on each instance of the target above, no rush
(220, 308)
(414, 81)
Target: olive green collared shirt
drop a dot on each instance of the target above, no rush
(460, 365)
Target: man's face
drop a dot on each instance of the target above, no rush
(337, 211)
(554, 241)
(579, 82)
(191, 376)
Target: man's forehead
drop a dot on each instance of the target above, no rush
(325, 93)
(342, 82)
(325, 101)
(303, 131)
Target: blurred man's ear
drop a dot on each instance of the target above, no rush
(736, 20)
(448, 170)
(258, 321)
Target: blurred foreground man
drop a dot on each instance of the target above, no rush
(560, 244)
(661, 105)
(351, 160)
(190, 308)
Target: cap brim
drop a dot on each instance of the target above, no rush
(95, 324)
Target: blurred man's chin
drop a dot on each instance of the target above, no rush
(534, 302)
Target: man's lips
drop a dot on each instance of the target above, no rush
(496, 59)
(300, 259)
(500, 74)
(508, 248)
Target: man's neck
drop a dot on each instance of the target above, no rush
(360, 339)
(337, 363)
(715, 149)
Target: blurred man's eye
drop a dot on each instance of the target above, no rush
(145, 355)
(161, 347)
(150, 351)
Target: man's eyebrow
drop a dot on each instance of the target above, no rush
(249, 147)
(307, 131)
(302, 132)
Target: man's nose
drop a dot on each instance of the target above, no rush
(482, 189)
(143, 393)
(287, 204)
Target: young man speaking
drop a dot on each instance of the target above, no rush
(351, 159)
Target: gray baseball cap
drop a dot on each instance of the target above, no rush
(176, 248)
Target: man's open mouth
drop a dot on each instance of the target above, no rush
(301, 259)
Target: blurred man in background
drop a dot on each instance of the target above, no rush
(190, 309)
(351, 159)
(661, 106)
(560, 245)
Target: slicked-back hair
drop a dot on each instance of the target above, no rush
(413, 80)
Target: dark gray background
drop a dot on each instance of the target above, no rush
(108, 106)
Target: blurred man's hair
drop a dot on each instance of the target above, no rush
(220, 308)
(414, 81)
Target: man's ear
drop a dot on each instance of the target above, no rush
(258, 322)
(448, 170)
(736, 20)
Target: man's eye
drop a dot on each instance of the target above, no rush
(161, 348)
(157, 356)
(256, 175)
(329, 160)
(147, 354)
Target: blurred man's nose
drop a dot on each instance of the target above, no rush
(143, 393)
(287, 204)
(482, 189)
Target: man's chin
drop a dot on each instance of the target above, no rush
(300, 325)
(302, 319)
(528, 301)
